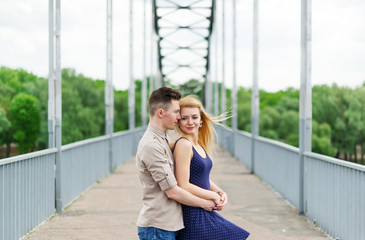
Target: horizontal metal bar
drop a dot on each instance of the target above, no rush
(126, 132)
(84, 142)
(27, 156)
(184, 27)
(167, 7)
(335, 161)
(279, 144)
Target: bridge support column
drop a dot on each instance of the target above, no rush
(255, 98)
(216, 93)
(131, 95)
(109, 90)
(55, 93)
(234, 87)
(305, 108)
(144, 81)
(223, 88)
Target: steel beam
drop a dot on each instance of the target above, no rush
(208, 79)
(131, 92)
(216, 89)
(255, 98)
(58, 109)
(165, 28)
(305, 106)
(234, 87)
(144, 80)
(223, 88)
(109, 90)
(51, 75)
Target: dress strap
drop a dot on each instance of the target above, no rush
(176, 143)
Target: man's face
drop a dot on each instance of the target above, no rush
(172, 115)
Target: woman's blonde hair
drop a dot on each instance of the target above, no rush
(206, 131)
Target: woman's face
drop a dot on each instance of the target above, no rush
(190, 120)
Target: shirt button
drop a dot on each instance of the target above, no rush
(167, 174)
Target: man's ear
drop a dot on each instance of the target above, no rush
(159, 112)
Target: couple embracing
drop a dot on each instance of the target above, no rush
(179, 199)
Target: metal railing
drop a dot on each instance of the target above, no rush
(335, 196)
(83, 164)
(278, 164)
(334, 190)
(27, 182)
(129, 140)
(27, 192)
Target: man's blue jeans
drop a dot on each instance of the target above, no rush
(151, 233)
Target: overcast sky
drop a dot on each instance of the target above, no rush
(338, 40)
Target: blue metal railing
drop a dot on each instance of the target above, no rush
(127, 139)
(27, 192)
(335, 196)
(27, 182)
(278, 164)
(334, 190)
(83, 164)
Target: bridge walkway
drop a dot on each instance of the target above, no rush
(110, 208)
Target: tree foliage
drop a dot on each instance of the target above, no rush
(25, 120)
(4, 122)
(338, 125)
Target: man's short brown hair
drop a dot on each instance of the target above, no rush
(161, 98)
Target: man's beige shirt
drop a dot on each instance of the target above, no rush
(155, 165)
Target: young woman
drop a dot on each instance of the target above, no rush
(193, 167)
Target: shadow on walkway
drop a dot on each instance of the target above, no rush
(109, 210)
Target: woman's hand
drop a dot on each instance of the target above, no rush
(223, 201)
(218, 200)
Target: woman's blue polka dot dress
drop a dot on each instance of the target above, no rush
(201, 224)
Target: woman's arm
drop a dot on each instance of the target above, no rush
(224, 197)
(183, 154)
(214, 187)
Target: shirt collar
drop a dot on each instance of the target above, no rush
(157, 131)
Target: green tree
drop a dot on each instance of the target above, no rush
(269, 122)
(4, 125)
(120, 110)
(321, 139)
(289, 127)
(356, 118)
(341, 135)
(25, 119)
(244, 109)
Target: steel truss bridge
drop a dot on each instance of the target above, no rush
(330, 192)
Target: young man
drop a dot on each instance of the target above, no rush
(161, 214)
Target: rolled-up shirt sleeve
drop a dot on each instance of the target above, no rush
(156, 161)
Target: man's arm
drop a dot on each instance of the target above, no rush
(182, 196)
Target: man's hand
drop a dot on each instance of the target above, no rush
(208, 205)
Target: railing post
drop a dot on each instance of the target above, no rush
(51, 75)
(152, 41)
(58, 109)
(144, 81)
(131, 95)
(216, 94)
(234, 87)
(234, 78)
(208, 84)
(109, 90)
(223, 89)
(305, 108)
(255, 98)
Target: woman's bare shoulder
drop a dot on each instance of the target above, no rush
(183, 144)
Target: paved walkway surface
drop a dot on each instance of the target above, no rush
(109, 210)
